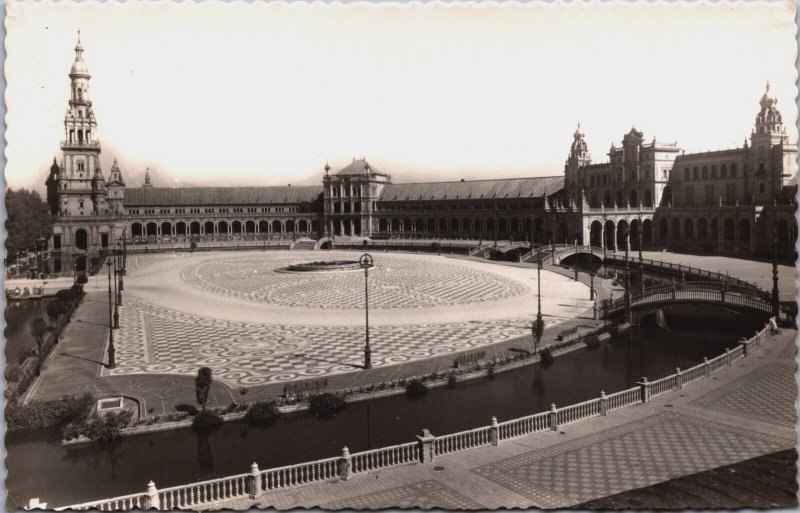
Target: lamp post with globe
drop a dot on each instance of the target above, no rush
(366, 261)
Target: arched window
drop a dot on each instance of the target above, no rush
(695, 174)
(733, 170)
(705, 173)
(686, 173)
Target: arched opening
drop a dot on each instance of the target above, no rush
(688, 228)
(289, 226)
(208, 228)
(357, 207)
(263, 227)
(194, 228)
(454, 228)
(611, 231)
(563, 233)
(596, 233)
(407, 225)
(337, 227)
(648, 198)
(526, 227)
(419, 225)
(636, 233)
(223, 228)
(663, 228)
(382, 225)
(619, 199)
(81, 239)
(744, 231)
(357, 227)
(166, 229)
(702, 228)
(237, 227)
(302, 226)
(676, 228)
(250, 227)
(431, 226)
(277, 228)
(314, 226)
(180, 228)
(337, 207)
(502, 226)
(136, 230)
(466, 225)
(443, 226)
(623, 231)
(514, 226)
(715, 229)
(634, 198)
(647, 232)
(728, 230)
(152, 229)
(346, 207)
(395, 225)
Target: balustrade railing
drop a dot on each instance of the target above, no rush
(385, 457)
(463, 440)
(524, 426)
(427, 447)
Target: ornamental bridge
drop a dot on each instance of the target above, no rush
(721, 294)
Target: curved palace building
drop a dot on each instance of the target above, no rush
(733, 201)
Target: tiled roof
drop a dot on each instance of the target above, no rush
(359, 167)
(477, 189)
(157, 196)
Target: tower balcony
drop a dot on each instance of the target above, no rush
(81, 145)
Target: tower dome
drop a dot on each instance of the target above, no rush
(79, 66)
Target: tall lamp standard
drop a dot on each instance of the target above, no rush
(113, 261)
(365, 262)
(120, 272)
(641, 261)
(775, 294)
(111, 360)
(628, 315)
(538, 325)
(124, 250)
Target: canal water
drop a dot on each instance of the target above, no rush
(19, 316)
(38, 466)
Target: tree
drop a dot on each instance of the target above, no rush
(82, 279)
(202, 385)
(28, 219)
(38, 331)
(538, 331)
(55, 309)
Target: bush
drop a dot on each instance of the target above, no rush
(82, 279)
(66, 295)
(188, 409)
(53, 413)
(452, 381)
(13, 374)
(416, 388)
(206, 419)
(592, 341)
(263, 413)
(193, 246)
(547, 356)
(490, 372)
(326, 405)
(103, 428)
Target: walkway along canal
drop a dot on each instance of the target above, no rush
(71, 475)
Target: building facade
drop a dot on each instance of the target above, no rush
(648, 193)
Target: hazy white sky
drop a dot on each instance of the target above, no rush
(213, 93)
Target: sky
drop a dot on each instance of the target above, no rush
(265, 94)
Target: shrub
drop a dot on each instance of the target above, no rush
(592, 341)
(188, 409)
(82, 279)
(416, 388)
(206, 419)
(326, 405)
(66, 295)
(490, 372)
(262, 413)
(452, 381)
(193, 246)
(13, 374)
(547, 356)
(103, 428)
(53, 413)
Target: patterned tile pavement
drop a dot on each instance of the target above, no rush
(155, 340)
(767, 394)
(395, 282)
(421, 495)
(634, 455)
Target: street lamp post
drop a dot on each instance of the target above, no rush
(775, 294)
(641, 261)
(120, 272)
(538, 325)
(112, 259)
(124, 250)
(366, 262)
(628, 315)
(111, 360)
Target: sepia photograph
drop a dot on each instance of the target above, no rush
(385, 255)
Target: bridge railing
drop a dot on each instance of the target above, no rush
(257, 482)
(701, 291)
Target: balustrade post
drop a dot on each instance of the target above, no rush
(553, 417)
(425, 440)
(253, 481)
(151, 501)
(644, 385)
(707, 367)
(603, 403)
(678, 379)
(345, 464)
(728, 357)
(495, 432)
(743, 343)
